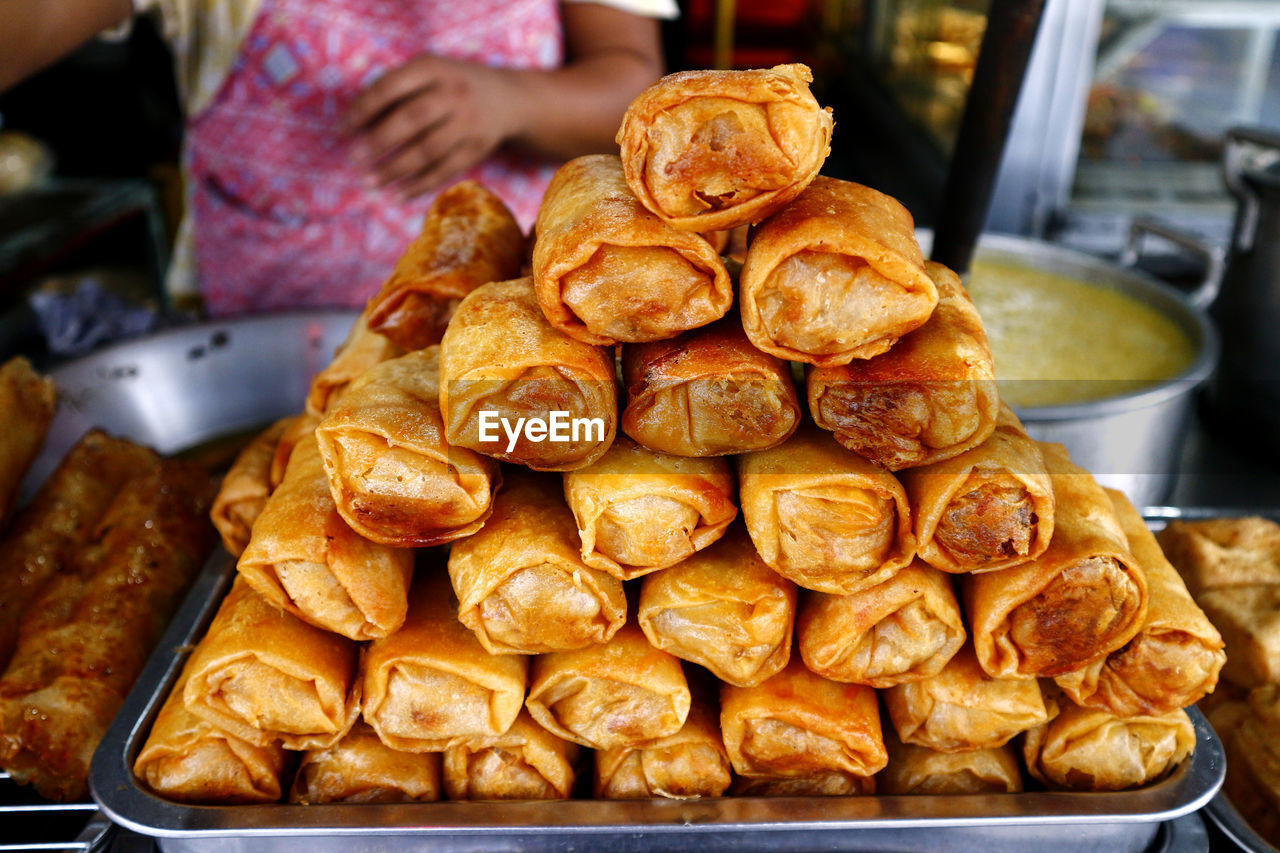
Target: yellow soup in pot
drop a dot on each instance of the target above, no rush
(1059, 340)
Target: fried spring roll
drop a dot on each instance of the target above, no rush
(1079, 601)
(1176, 656)
(362, 349)
(638, 510)
(904, 629)
(712, 150)
(989, 508)
(468, 238)
(799, 724)
(835, 275)
(607, 270)
(931, 397)
(830, 783)
(393, 477)
(360, 768)
(296, 429)
(521, 583)
(722, 608)
(306, 559)
(527, 762)
(246, 487)
(708, 392)
(514, 387)
(962, 708)
(49, 533)
(27, 403)
(431, 685)
(620, 693)
(919, 770)
(84, 640)
(824, 517)
(1223, 552)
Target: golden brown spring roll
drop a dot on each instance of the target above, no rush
(185, 758)
(266, 676)
(835, 275)
(1084, 749)
(296, 429)
(962, 708)
(799, 724)
(830, 783)
(989, 508)
(638, 510)
(1174, 660)
(431, 684)
(49, 533)
(393, 477)
(521, 583)
(904, 629)
(722, 608)
(514, 387)
(1223, 552)
(708, 392)
(607, 270)
(824, 517)
(360, 768)
(919, 770)
(27, 403)
(362, 349)
(527, 762)
(931, 397)
(305, 558)
(468, 238)
(620, 693)
(246, 487)
(84, 640)
(1079, 601)
(712, 150)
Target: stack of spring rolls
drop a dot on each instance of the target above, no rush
(590, 528)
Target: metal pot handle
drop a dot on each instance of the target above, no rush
(1203, 294)
(1246, 148)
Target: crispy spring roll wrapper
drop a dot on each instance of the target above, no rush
(305, 558)
(468, 238)
(393, 477)
(501, 360)
(799, 724)
(919, 770)
(835, 275)
(1084, 749)
(526, 762)
(84, 640)
(607, 270)
(27, 404)
(1223, 552)
(362, 349)
(1249, 619)
(708, 392)
(246, 487)
(360, 768)
(639, 510)
(186, 758)
(431, 684)
(1078, 602)
(51, 531)
(962, 708)
(723, 608)
(824, 517)
(712, 150)
(991, 507)
(296, 429)
(1174, 660)
(521, 583)
(620, 693)
(830, 783)
(931, 397)
(904, 629)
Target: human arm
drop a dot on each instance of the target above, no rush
(36, 33)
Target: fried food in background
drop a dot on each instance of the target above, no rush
(27, 403)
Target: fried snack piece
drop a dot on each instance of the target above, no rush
(835, 275)
(246, 486)
(639, 510)
(1223, 552)
(607, 270)
(919, 770)
(824, 517)
(362, 349)
(1249, 619)
(708, 392)
(502, 366)
(360, 768)
(526, 762)
(712, 150)
(521, 583)
(904, 629)
(468, 238)
(1252, 742)
(829, 783)
(393, 477)
(27, 404)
